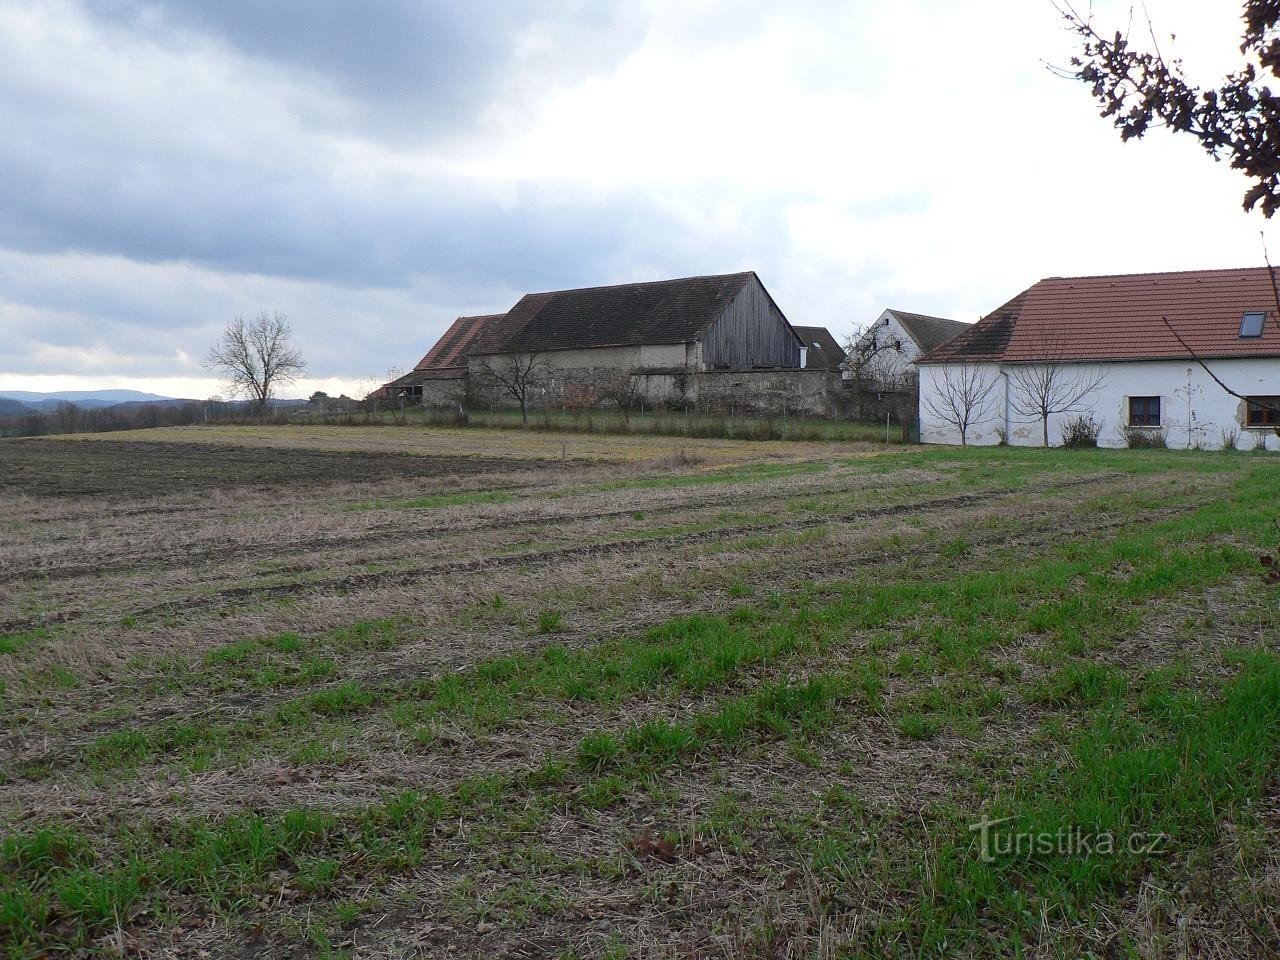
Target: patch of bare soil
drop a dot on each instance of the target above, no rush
(128, 469)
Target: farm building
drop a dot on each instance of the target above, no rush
(724, 322)
(887, 351)
(822, 352)
(673, 341)
(1122, 352)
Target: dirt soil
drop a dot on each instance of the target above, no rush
(130, 469)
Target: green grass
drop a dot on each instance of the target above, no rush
(1068, 595)
(1176, 765)
(1117, 749)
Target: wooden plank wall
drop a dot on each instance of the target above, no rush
(751, 332)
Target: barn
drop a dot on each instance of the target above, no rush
(680, 341)
(693, 324)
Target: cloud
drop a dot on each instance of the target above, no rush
(414, 70)
(373, 171)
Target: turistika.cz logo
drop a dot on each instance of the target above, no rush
(998, 841)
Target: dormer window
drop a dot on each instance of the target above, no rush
(1251, 324)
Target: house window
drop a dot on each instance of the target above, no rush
(1144, 411)
(1263, 412)
(1251, 324)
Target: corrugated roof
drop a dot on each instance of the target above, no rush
(928, 332)
(1119, 318)
(825, 353)
(659, 312)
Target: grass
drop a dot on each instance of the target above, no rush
(819, 738)
(1062, 596)
(608, 421)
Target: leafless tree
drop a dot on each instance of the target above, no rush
(257, 357)
(622, 388)
(874, 357)
(961, 398)
(1046, 387)
(518, 375)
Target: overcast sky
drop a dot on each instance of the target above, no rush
(375, 169)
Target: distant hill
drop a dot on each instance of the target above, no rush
(86, 399)
(17, 402)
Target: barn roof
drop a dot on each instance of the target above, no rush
(1120, 318)
(928, 332)
(825, 353)
(451, 349)
(628, 314)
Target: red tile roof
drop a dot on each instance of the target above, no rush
(1119, 318)
(451, 349)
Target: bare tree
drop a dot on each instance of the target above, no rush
(622, 388)
(257, 357)
(874, 357)
(1047, 387)
(518, 375)
(962, 398)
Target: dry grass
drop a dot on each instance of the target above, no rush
(139, 616)
(438, 441)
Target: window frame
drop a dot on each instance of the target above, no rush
(1262, 324)
(1144, 421)
(1270, 413)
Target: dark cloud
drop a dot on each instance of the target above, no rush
(419, 70)
(304, 227)
(155, 175)
(195, 144)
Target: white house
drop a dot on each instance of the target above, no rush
(1186, 359)
(890, 346)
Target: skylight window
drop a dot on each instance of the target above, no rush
(1251, 324)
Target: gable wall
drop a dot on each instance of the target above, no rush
(890, 366)
(751, 332)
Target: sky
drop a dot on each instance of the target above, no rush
(374, 170)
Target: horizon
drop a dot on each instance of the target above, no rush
(357, 178)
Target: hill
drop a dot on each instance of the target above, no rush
(87, 399)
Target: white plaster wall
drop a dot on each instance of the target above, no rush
(602, 358)
(663, 355)
(1194, 410)
(889, 365)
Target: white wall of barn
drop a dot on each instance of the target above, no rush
(1194, 410)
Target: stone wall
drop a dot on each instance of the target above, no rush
(447, 392)
(782, 392)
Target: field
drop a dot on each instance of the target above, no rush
(418, 692)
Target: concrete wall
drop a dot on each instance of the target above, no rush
(1195, 411)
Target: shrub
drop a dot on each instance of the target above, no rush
(1081, 432)
(1144, 437)
(1231, 439)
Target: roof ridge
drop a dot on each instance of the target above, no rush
(645, 283)
(1155, 273)
(926, 316)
